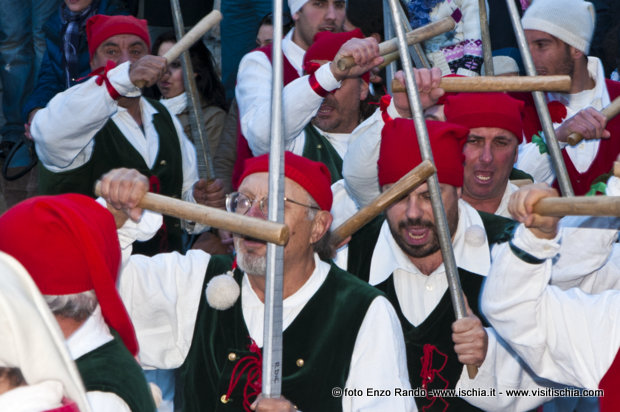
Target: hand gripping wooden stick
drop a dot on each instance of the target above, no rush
(609, 112)
(191, 37)
(579, 206)
(498, 84)
(244, 225)
(405, 184)
(414, 36)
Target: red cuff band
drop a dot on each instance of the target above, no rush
(318, 89)
(102, 76)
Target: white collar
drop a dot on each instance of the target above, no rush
(470, 245)
(293, 52)
(92, 334)
(253, 308)
(176, 104)
(502, 209)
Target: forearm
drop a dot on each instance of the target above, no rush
(563, 336)
(162, 295)
(299, 102)
(64, 128)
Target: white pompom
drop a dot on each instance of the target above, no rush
(222, 291)
(475, 235)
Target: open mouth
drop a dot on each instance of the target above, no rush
(483, 177)
(417, 235)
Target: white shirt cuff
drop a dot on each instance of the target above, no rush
(119, 78)
(525, 240)
(326, 78)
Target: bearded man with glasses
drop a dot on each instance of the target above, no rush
(338, 332)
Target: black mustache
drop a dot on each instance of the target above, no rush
(403, 224)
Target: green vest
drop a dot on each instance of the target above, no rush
(112, 150)
(318, 346)
(430, 343)
(518, 174)
(111, 368)
(319, 149)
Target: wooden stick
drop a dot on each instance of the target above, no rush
(616, 169)
(579, 206)
(414, 36)
(244, 225)
(191, 37)
(498, 84)
(405, 184)
(521, 182)
(388, 59)
(609, 112)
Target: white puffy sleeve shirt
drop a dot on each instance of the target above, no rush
(64, 130)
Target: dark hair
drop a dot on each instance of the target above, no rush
(287, 21)
(367, 15)
(207, 80)
(13, 376)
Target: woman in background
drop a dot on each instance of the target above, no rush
(210, 88)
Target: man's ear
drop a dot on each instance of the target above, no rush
(320, 225)
(364, 89)
(576, 54)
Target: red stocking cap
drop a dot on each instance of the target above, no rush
(68, 244)
(100, 27)
(486, 110)
(313, 176)
(399, 151)
(325, 47)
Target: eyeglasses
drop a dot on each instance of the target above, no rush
(239, 203)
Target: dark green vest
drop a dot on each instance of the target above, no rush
(518, 174)
(113, 150)
(111, 368)
(317, 346)
(434, 335)
(319, 149)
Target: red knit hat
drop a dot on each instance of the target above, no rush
(399, 151)
(68, 244)
(101, 27)
(325, 47)
(486, 110)
(312, 176)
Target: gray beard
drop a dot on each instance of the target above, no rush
(252, 265)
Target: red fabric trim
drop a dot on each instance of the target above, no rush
(610, 384)
(316, 86)
(102, 77)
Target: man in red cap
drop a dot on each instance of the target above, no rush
(69, 247)
(338, 332)
(304, 96)
(496, 130)
(491, 149)
(104, 123)
(402, 258)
